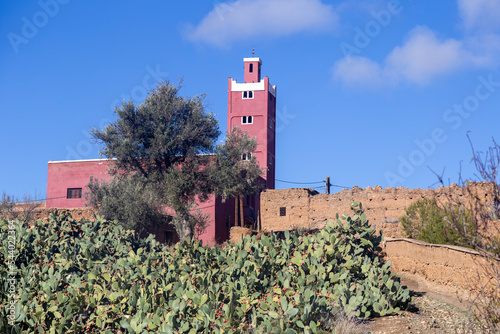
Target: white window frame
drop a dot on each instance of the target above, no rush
(246, 119)
(246, 156)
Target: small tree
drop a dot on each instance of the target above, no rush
(129, 200)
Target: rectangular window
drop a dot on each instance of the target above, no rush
(74, 193)
(246, 119)
(246, 156)
(251, 68)
(282, 211)
(248, 94)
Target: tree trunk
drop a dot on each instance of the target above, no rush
(242, 212)
(236, 211)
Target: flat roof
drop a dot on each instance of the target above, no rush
(82, 160)
(252, 59)
(94, 160)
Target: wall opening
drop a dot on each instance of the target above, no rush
(282, 211)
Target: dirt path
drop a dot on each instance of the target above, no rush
(435, 309)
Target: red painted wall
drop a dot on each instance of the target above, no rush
(262, 107)
(75, 174)
(72, 174)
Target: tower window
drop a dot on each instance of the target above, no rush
(246, 119)
(248, 94)
(250, 68)
(74, 193)
(246, 156)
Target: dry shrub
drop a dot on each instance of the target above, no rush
(482, 232)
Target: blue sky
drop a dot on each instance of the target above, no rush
(369, 92)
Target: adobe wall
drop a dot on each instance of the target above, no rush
(452, 266)
(306, 208)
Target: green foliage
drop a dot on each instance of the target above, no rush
(96, 277)
(425, 220)
(230, 176)
(159, 133)
(160, 144)
(130, 201)
(160, 148)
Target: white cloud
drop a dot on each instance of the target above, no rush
(358, 71)
(422, 58)
(484, 14)
(244, 19)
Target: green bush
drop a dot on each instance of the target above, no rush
(425, 220)
(75, 277)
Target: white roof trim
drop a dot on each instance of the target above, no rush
(96, 160)
(254, 86)
(82, 160)
(253, 59)
(240, 87)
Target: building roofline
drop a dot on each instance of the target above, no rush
(82, 160)
(252, 59)
(94, 160)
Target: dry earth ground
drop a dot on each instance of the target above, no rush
(435, 309)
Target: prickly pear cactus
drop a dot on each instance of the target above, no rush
(95, 277)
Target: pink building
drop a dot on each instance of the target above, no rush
(251, 106)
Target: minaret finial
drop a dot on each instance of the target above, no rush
(253, 50)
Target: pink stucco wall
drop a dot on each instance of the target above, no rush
(262, 107)
(72, 174)
(75, 174)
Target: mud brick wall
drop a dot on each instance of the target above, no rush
(453, 266)
(305, 208)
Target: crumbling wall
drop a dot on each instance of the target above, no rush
(76, 213)
(458, 267)
(306, 208)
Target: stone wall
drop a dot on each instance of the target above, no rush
(76, 213)
(306, 208)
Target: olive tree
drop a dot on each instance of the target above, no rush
(165, 148)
